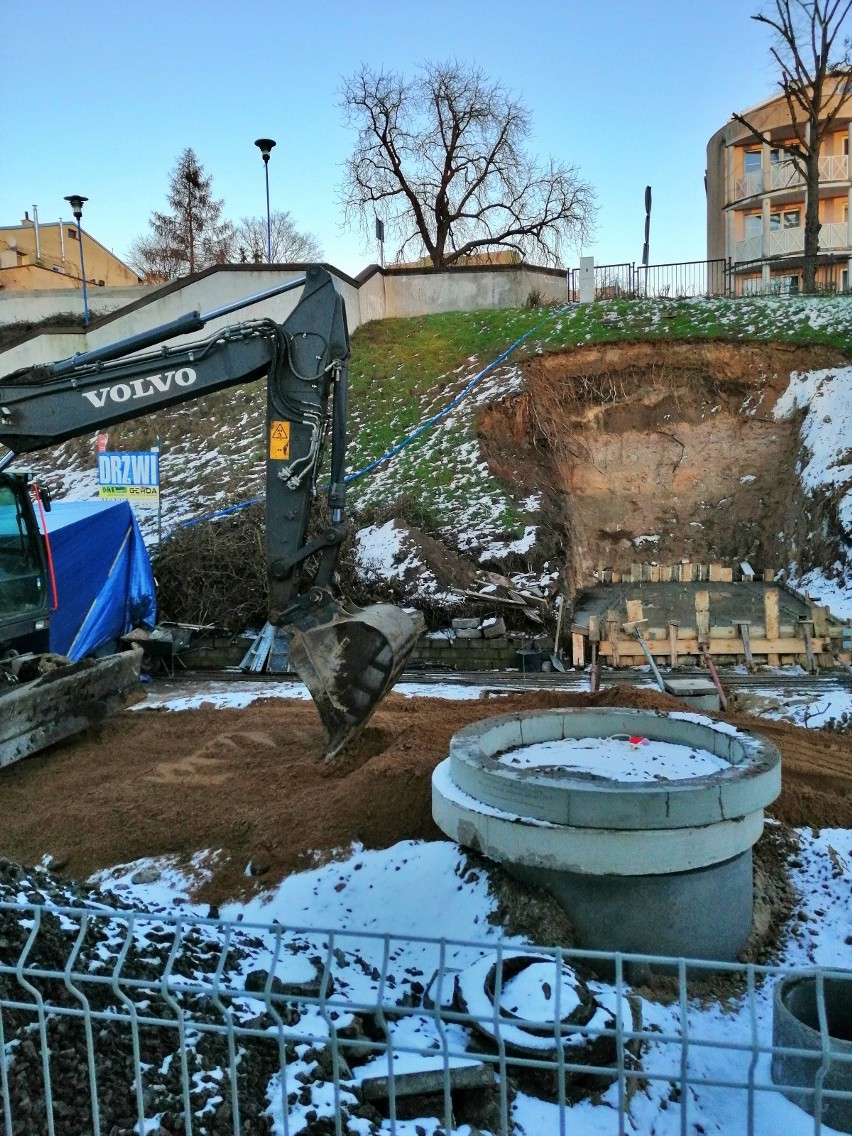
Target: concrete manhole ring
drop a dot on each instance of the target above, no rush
(796, 1026)
(656, 863)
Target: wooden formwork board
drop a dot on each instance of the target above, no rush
(718, 646)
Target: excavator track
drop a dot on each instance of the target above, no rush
(34, 715)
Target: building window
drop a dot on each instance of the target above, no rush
(789, 219)
(72, 233)
(752, 161)
(844, 145)
(753, 225)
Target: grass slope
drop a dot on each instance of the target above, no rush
(404, 372)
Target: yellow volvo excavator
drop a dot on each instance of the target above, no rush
(348, 657)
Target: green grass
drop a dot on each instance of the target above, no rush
(403, 372)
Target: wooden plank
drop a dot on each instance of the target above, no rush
(772, 621)
(702, 616)
(635, 573)
(726, 575)
(715, 572)
(612, 633)
(655, 573)
(768, 575)
(770, 613)
(578, 649)
(673, 626)
(807, 634)
(744, 635)
(820, 618)
(634, 611)
(686, 572)
(689, 645)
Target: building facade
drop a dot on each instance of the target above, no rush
(756, 203)
(36, 256)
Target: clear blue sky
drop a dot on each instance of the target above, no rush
(101, 98)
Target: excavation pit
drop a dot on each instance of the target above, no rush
(640, 823)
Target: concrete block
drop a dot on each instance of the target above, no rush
(472, 1075)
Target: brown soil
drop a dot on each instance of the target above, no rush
(251, 783)
(669, 440)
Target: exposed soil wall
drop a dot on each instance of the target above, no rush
(662, 452)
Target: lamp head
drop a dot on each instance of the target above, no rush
(265, 146)
(76, 203)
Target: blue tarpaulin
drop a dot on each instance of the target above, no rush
(103, 575)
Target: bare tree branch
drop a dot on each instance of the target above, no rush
(815, 85)
(442, 156)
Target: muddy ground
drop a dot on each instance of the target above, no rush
(252, 783)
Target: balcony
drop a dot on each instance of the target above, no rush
(749, 249)
(784, 175)
(748, 185)
(788, 242)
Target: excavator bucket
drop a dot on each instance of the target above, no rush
(350, 663)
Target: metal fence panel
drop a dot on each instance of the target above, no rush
(114, 1022)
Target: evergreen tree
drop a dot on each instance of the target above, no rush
(193, 235)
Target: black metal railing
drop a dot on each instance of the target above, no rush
(680, 280)
(719, 277)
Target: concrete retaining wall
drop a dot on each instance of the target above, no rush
(34, 306)
(375, 294)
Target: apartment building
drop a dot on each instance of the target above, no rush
(35, 256)
(756, 202)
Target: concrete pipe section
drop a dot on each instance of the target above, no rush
(640, 823)
(827, 1063)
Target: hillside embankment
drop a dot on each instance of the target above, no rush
(665, 451)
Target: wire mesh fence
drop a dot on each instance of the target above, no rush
(119, 1021)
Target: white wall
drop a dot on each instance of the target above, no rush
(377, 294)
(38, 305)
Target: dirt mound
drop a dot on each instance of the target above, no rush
(251, 783)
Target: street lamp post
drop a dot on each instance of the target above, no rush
(265, 146)
(76, 203)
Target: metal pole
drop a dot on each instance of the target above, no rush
(266, 145)
(83, 274)
(268, 217)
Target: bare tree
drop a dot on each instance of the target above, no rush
(440, 160)
(815, 80)
(193, 236)
(288, 244)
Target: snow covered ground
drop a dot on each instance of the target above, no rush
(352, 911)
(787, 701)
(392, 920)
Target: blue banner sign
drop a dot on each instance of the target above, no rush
(133, 477)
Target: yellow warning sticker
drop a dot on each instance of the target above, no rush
(279, 441)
